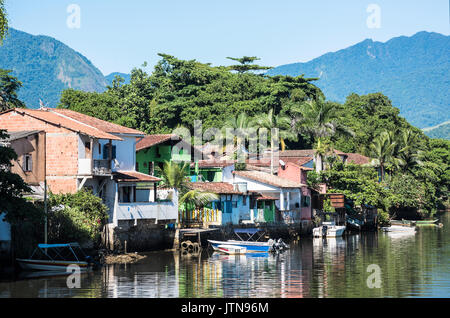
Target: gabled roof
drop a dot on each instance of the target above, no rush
(152, 140)
(84, 124)
(357, 158)
(268, 179)
(133, 176)
(215, 187)
(213, 163)
(98, 123)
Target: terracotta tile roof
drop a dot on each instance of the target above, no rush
(133, 176)
(98, 123)
(215, 187)
(213, 163)
(152, 140)
(265, 197)
(297, 153)
(268, 179)
(57, 119)
(357, 158)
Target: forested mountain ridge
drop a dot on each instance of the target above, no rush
(46, 67)
(412, 71)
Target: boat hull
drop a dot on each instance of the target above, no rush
(334, 231)
(251, 247)
(43, 265)
(232, 249)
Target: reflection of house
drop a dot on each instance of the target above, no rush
(290, 199)
(81, 151)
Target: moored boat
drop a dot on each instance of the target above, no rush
(328, 229)
(55, 257)
(250, 247)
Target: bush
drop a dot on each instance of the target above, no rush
(76, 217)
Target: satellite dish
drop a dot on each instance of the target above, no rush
(282, 162)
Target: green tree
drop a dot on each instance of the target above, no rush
(3, 21)
(383, 151)
(322, 120)
(8, 91)
(245, 64)
(278, 123)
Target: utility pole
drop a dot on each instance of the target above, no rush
(45, 211)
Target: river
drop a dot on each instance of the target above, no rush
(358, 265)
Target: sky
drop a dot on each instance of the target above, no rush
(117, 35)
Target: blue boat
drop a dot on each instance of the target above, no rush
(251, 245)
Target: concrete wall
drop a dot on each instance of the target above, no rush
(143, 235)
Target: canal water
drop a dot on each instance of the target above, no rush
(359, 265)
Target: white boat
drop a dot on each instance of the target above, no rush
(328, 229)
(55, 257)
(231, 249)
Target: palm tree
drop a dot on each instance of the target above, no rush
(174, 175)
(321, 120)
(280, 122)
(241, 125)
(383, 151)
(407, 150)
(198, 198)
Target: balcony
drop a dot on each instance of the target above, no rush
(88, 167)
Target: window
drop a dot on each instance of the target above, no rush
(27, 164)
(137, 166)
(306, 201)
(106, 152)
(244, 200)
(235, 204)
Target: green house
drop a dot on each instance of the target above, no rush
(153, 150)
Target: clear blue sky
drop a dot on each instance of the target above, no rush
(119, 35)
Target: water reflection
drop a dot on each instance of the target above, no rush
(412, 265)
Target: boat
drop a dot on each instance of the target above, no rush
(56, 257)
(250, 247)
(329, 229)
(427, 222)
(252, 243)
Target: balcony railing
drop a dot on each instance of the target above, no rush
(94, 167)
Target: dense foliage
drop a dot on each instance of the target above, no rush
(179, 92)
(408, 171)
(76, 217)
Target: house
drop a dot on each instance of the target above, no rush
(153, 150)
(233, 203)
(212, 170)
(29, 146)
(72, 151)
(291, 199)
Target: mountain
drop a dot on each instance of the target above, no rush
(412, 71)
(46, 66)
(109, 78)
(439, 131)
